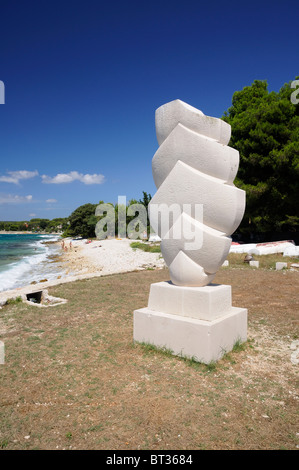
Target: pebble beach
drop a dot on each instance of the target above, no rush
(106, 257)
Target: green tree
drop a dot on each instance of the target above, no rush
(39, 224)
(145, 201)
(57, 224)
(265, 130)
(82, 222)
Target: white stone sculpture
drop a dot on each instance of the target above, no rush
(193, 167)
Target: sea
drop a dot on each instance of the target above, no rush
(25, 258)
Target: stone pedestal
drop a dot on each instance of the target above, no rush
(194, 322)
(254, 264)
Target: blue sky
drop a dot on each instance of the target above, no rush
(83, 81)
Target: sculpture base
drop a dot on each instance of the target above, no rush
(194, 322)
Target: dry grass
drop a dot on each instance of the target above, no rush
(74, 379)
(236, 260)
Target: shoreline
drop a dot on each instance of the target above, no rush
(11, 232)
(26, 258)
(86, 259)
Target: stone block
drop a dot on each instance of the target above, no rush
(201, 340)
(280, 266)
(204, 303)
(294, 267)
(197, 322)
(254, 264)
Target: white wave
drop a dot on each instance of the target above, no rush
(28, 269)
(13, 276)
(51, 238)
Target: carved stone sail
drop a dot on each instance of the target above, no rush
(194, 166)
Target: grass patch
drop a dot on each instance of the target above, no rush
(193, 361)
(14, 301)
(239, 346)
(149, 348)
(3, 444)
(236, 260)
(153, 248)
(74, 377)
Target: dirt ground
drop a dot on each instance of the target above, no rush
(74, 379)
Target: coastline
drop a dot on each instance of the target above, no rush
(85, 259)
(11, 232)
(27, 257)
